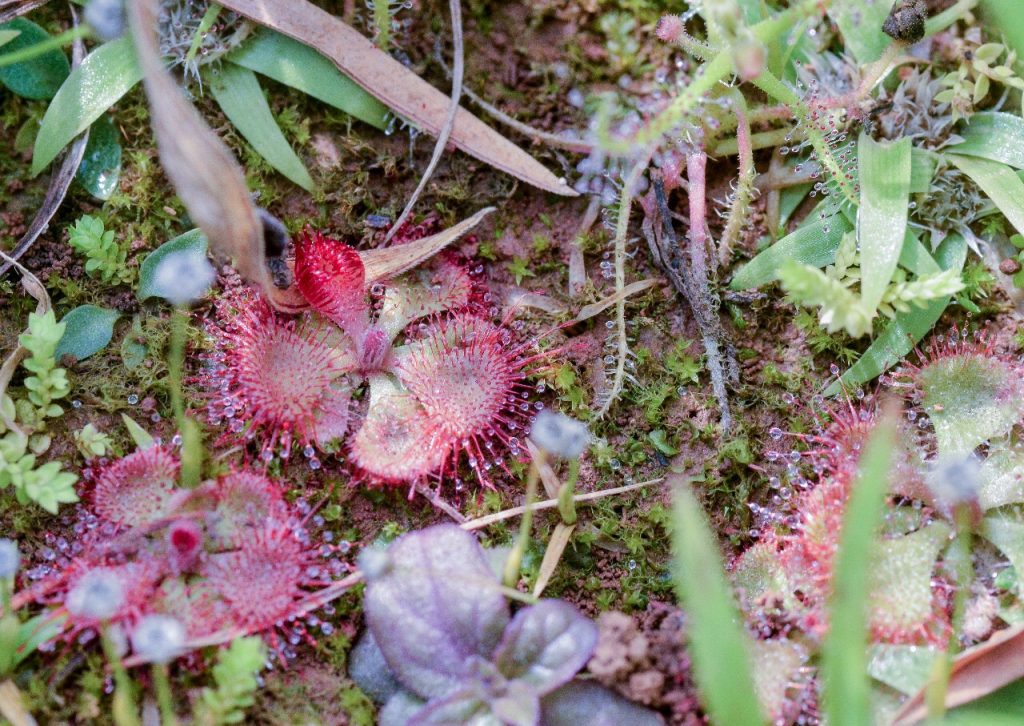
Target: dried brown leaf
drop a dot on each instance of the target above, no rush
(589, 311)
(552, 555)
(976, 672)
(395, 85)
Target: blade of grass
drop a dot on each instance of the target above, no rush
(844, 654)
(882, 215)
(814, 244)
(290, 62)
(904, 332)
(241, 99)
(107, 74)
(999, 182)
(718, 644)
(995, 136)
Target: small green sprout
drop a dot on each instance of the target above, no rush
(105, 258)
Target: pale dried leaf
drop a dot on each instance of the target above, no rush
(552, 555)
(977, 672)
(589, 311)
(395, 85)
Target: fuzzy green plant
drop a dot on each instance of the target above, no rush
(105, 258)
(23, 424)
(235, 676)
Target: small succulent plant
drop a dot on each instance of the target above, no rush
(442, 648)
(962, 402)
(443, 381)
(229, 556)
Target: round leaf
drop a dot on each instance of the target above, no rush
(101, 165)
(89, 329)
(546, 645)
(36, 78)
(193, 240)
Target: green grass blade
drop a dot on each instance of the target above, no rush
(811, 244)
(718, 644)
(242, 101)
(844, 654)
(994, 136)
(882, 215)
(1008, 17)
(106, 74)
(922, 169)
(999, 182)
(290, 62)
(904, 332)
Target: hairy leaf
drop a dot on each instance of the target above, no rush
(882, 214)
(35, 78)
(89, 330)
(193, 240)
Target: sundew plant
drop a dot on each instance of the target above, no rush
(525, 363)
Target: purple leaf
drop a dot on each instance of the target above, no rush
(546, 645)
(433, 603)
(583, 702)
(471, 705)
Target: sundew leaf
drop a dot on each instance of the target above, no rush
(719, 646)
(777, 663)
(814, 243)
(106, 75)
(36, 78)
(995, 136)
(969, 399)
(903, 667)
(433, 605)
(193, 240)
(882, 214)
(290, 62)
(100, 169)
(844, 661)
(88, 330)
(999, 480)
(905, 330)
(861, 26)
(242, 101)
(1007, 533)
(999, 182)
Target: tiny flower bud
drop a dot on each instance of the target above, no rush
(670, 28)
(158, 638)
(106, 17)
(10, 558)
(98, 595)
(183, 277)
(560, 435)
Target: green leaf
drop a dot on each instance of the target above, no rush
(100, 169)
(1008, 17)
(903, 667)
(719, 646)
(922, 169)
(6, 36)
(904, 332)
(861, 26)
(290, 62)
(241, 98)
(813, 244)
(995, 136)
(142, 438)
(844, 660)
(999, 182)
(192, 240)
(36, 78)
(882, 214)
(106, 74)
(89, 329)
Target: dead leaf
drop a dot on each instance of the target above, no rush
(205, 175)
(977, 672)
(548, 477)
(552, 555)
(12, 706)
(395, 85)
(589, 311)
